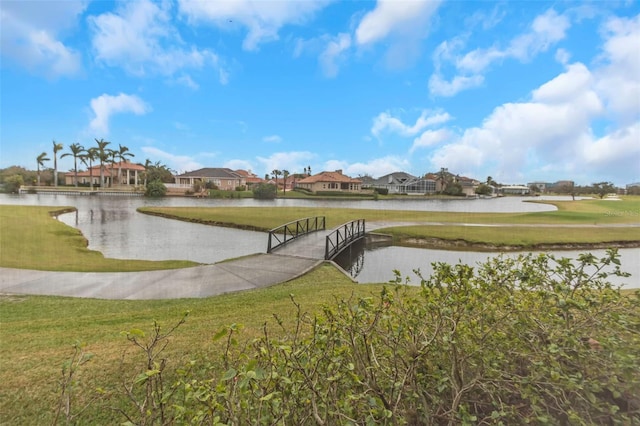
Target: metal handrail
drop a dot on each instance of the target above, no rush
(342, 236)
(290, 231)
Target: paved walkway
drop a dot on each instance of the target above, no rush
(261, 270)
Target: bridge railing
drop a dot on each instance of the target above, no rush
(290, 231)
(343, 236)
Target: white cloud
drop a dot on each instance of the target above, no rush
(238, 165)
(620, 148)
(178, 163)
(553, 131)
(272, 139)
(545, 31)
(294, 161)
(619, 78)
(263, 19)
(29, 36)
(334, 53)
(390, 16)
(186, 80)
(140, 37)
(385, 122)
(375, 167)
(430, 138)
(401, 24)
(104, 106)
(440, 87)
(563, 56)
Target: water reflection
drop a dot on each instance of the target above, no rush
(376, 264)
(114, 227)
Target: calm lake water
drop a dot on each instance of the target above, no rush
(113, 227)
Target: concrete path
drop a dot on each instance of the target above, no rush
(261, 270)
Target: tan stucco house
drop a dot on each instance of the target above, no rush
(330, 181)
(223, 178)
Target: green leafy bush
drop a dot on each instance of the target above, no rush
(536, 339)
(156, 189)
(13, 183)
(381, 191)
(264, 191)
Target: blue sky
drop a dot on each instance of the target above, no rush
(521, 90)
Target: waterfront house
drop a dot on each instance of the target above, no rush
(515, 190)
(394, 182)
(123, 173)
(330, 182)
(250, 178)
(223, 178)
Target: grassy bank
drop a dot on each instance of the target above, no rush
(31, 239)
(570, 213)
(513, 237)
(37, 334)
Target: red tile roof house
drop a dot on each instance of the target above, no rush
(120, 174)
(223, 178)
(250, 178)
(330, 181)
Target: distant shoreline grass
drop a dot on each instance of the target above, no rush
(602, 224)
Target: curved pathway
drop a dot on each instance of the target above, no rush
(261, 270)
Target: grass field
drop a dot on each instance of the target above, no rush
(564, 221)
(31, 239)
(37, 334)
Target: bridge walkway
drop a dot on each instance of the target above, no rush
(313, 245)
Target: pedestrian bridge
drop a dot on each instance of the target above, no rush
(308, 237)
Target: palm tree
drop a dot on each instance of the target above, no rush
(76, 151)
(56, 147)
(112, 154)
(285, 175)
(102, 154)
(89, 156)
(41, 159)
(122, 154)
(276, 173)
(443, 177)
(147, 164)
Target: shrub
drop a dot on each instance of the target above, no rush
(156, 189)
(381, 191)
(511, 342)
(13, 183)
(264, 191)
(534, 339)
(241, 188)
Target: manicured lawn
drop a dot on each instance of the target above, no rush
(585, 212)
(514, 235)
(31, 239)
(37, 333)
